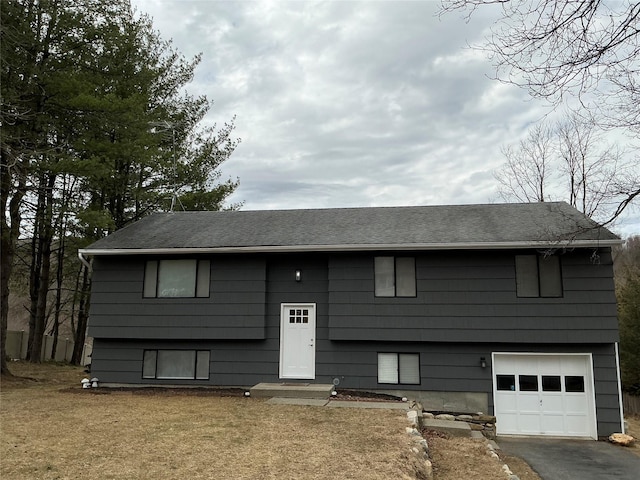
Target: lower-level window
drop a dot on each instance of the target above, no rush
(176, 364)
(399, 368)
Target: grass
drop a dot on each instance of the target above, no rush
(633, 424)
(51, 431)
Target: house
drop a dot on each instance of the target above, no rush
(503, 308)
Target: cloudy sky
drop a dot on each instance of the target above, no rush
(341, 104)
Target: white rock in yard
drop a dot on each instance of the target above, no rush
(621, 439)
(445, 416)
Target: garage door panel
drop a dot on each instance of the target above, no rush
(549, 394)
(529, 423)
(508, 402)
(576, 425)
(576, 404)
(552, 404)
(509, 421)
(549, 364)
(528, 402)
(553, 424)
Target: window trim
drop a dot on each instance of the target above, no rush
(398, 368)
(195, 363)
(151, 278)
(540, 283)
(395, 276)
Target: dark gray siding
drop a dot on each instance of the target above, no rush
(471, 297)
(444, 367)
(466, 308)
(235, 308)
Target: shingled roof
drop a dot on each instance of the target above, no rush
(372, 228)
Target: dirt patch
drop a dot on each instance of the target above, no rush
(361, 396)
(159, 391)
(454, 458)
(633, 424)
(518, 466)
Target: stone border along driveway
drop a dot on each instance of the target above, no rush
(456, 425)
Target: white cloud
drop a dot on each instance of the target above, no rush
(349, 103)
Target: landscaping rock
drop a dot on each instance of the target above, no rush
(621, 439)
(428, 468)
(445, 416)
(464, 418)
(485, 418)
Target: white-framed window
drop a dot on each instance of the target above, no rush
(395, 276)
(176, 364)
(177, 278)
(399, 368)
(538, 276)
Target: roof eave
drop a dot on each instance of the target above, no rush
(354, 247)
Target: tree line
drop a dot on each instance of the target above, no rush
(98, 130)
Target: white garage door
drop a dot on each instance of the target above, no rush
(544, 395)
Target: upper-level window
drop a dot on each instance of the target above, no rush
(538, 276)
(177, 278)
(395, 276)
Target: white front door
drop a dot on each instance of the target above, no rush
(298, 340)
(537, 394)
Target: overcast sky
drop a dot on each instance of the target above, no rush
(341, 104)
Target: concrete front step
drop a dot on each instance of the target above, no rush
(457, 429)
(291, 390)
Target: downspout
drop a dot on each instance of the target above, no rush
(84, 261)
(622, 429)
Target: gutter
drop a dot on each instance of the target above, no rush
(348, 247)
(82, 258)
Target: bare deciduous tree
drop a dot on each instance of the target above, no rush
(588, 48)
(525, 174)
(569, 161)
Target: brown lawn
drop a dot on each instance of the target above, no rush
(633, 422)
(49, 431)
(52, 429)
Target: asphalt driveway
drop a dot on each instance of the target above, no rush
(560, 459)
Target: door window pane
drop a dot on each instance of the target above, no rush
(506, 382)
(574, 384)
(551, 383)
(528, 383)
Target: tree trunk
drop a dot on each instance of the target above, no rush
(83, 316)
(8, 240)
(59, 279)
(41, 275)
